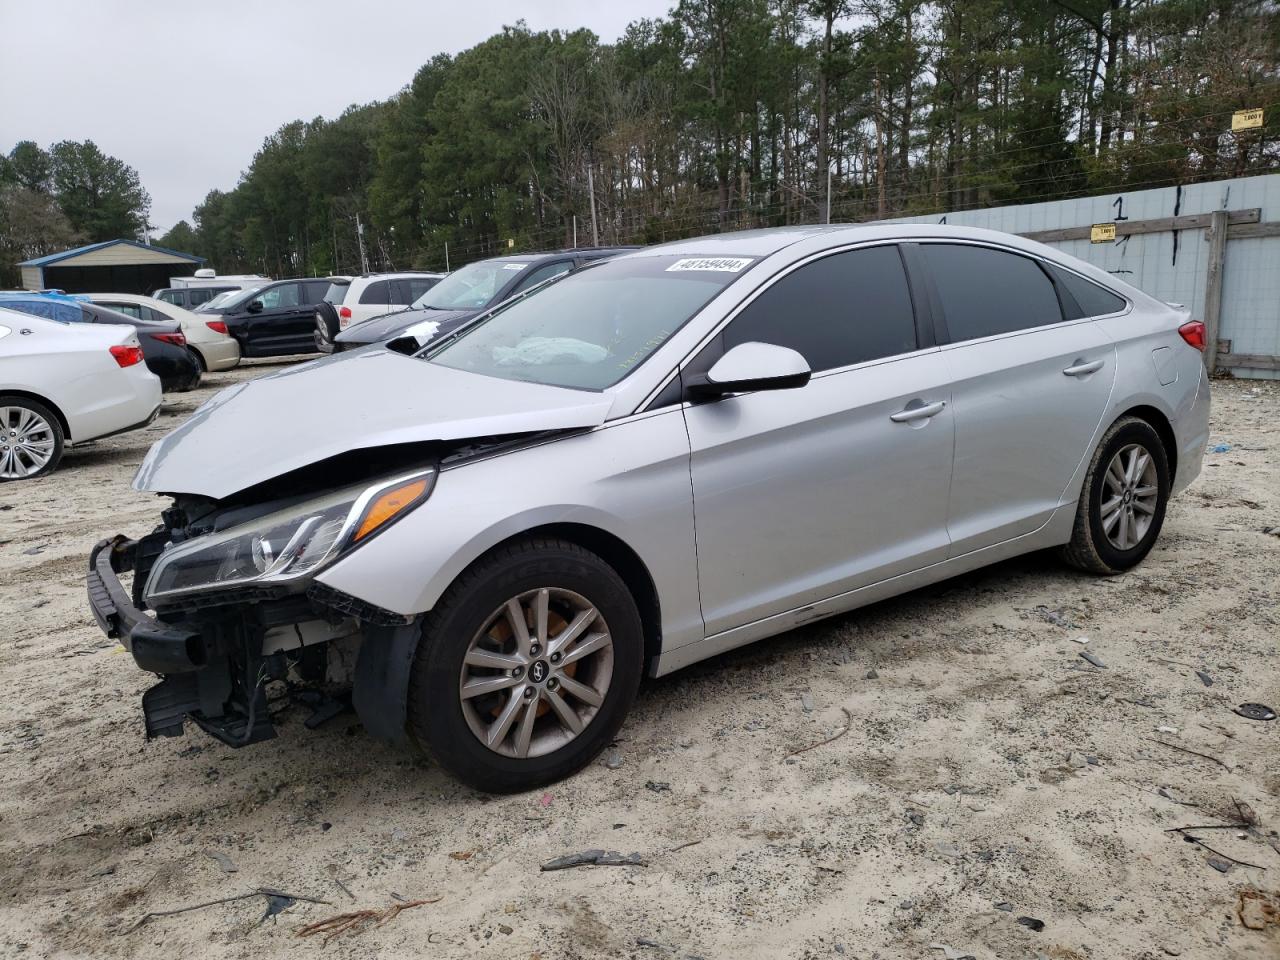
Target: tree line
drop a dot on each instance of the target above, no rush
(69, 194)
(728, 114)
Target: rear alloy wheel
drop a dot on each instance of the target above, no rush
(527, 666)
(1122, 504)
(30, 439)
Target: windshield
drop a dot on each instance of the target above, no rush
(595, 326)
(337, 292)
(235, 299)
(470, 288)
(214, 302)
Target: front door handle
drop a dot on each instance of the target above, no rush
(1082, 369)
(923, 412)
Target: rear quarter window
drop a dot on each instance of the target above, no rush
(1093, 299)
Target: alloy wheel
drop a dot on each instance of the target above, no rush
(1131, 492)
(27, 443)
(536, 673)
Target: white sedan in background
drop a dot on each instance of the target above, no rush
(207, 337)
(63, 384)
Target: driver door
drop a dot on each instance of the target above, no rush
(803, 494)
(272, 331)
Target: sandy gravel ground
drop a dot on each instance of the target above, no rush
(987, 774)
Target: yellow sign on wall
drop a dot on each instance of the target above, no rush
(1102, 233)
(1246, 119)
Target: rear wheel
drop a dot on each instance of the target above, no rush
(1123, 501)
(527, 666)
(31, 439)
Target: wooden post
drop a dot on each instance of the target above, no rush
(1213, 287)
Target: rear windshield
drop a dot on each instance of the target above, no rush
(591, 328)
(58, 310)
(336, 292)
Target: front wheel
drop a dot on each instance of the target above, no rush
(527, 666)
(1123, 501)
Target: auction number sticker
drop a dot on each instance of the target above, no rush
(1102, 233)
(513, 266)
(723, 264)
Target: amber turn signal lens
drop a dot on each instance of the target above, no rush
(389, 503)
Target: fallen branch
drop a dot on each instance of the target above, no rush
(823, 743)
(259, 892)
(357, 921)
(1225, 856)
(1195, 753)
(687, 843)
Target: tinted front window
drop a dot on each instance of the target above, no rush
(536, 276)
(846, 308)
(594, 327)
(986, 292)
(415, 287)
(274, 298)
(378, 292)
(1094, 301)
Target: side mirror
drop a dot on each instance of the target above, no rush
(254, 306)
(749, 367)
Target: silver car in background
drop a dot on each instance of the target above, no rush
(640, 465)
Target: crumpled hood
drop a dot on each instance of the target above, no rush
(263, 428)
(388, 325)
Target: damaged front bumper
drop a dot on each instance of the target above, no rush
(216, 656)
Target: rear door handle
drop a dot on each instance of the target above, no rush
(1079, 369)
(922, 412)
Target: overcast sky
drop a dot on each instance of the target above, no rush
(185, 93)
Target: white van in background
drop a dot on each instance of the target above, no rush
(204, 285)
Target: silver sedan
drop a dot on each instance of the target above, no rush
(643, 464)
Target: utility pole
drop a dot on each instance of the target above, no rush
(364, 260)
(829, 166)
(591, 189)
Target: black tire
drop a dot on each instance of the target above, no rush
(1091, 548)
(54, 431)
(327, 326)
(436, 719)
(204, 367)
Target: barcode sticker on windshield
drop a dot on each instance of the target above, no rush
(726, 264)
(513, 266)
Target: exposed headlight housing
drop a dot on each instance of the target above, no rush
(289, 545)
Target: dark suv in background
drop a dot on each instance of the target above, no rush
(469, 291)
(275, 319)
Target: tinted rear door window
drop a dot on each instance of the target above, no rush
(377, 292)
(985, 292)
(846, 308)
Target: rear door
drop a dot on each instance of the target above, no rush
(1030, 387)
(805, 494)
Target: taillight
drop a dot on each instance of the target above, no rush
(344, 316)
(177, 339)
(1193, 332)
(217, 326)
(126, 356)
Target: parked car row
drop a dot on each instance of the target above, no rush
(638, 464)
